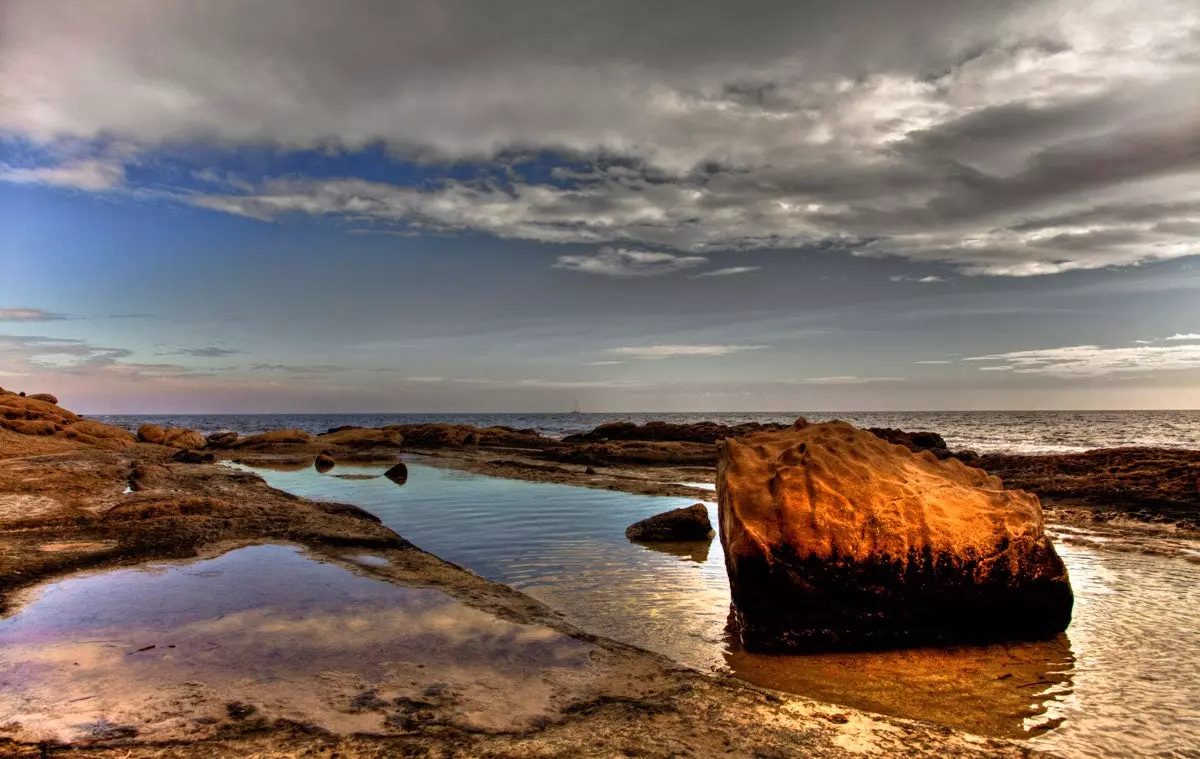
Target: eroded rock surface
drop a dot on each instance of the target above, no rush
(32, 416)
(835, 538)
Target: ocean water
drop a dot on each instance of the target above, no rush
(980, 431)
(1124, 680)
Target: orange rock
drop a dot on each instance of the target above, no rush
(835, 538)
(275, 438)
(182, 437)
(363, 437)
(152, 433)
(45, 397)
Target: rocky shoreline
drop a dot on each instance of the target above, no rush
(75, 499)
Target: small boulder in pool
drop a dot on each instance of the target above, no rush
(675, 525)
(324, 462)
(397, 474)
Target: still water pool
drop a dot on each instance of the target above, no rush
(1123, 681)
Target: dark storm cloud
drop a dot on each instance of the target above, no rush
(937, 130)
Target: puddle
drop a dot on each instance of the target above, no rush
(1123, 680)
(169, 651)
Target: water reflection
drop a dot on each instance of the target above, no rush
(162, 652)
(691, 550)
(1124, 680)
(1001, 690)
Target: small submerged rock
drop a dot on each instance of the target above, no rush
(324, 462)
(398, 473)
(690, 523)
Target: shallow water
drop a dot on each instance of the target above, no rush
(162, 652)
(982, 431)
(1123, 681)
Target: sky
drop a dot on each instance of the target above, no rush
(465, 205)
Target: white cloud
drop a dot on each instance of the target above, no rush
(28, 315)
(727, 272)
(666, 351)
(1093, 360)
(1011, 139)
(92, 175)
(1188, 336)
(623, 263)
(933, 362)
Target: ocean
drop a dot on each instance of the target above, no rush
(980, 431)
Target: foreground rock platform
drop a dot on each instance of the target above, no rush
(837, 539)
(67, 505)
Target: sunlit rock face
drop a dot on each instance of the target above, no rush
(835, 538)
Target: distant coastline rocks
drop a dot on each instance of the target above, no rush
(223, 439)
(690, 523)
(837, 539)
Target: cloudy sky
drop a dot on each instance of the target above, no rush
(468, 205)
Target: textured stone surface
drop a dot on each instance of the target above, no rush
(835, 538)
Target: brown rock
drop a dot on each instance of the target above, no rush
(182, 437)
(152, 433)
(359, 437)
(835, 538)
(700, 432)
(324, 462)
(99, 434)
(397, 474)
(275, 438)
(690, 523)
(224, 439)
(44, 397)
(636, 452)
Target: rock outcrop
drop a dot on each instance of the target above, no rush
(1148, 484)
(836, 539)
(275, 439)
(182, 437)
(224, 439)
(438, 435)
(635, 452)
(700, 432)
(45, 398)
(30, 416)
(362, 437)
(689, 523)
(152, 433)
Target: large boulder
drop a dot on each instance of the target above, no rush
(182, 437)
(152, 433)
(45, 398)
(835, 538)
(690, 523)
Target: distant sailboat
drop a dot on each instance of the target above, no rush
(575, 411)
